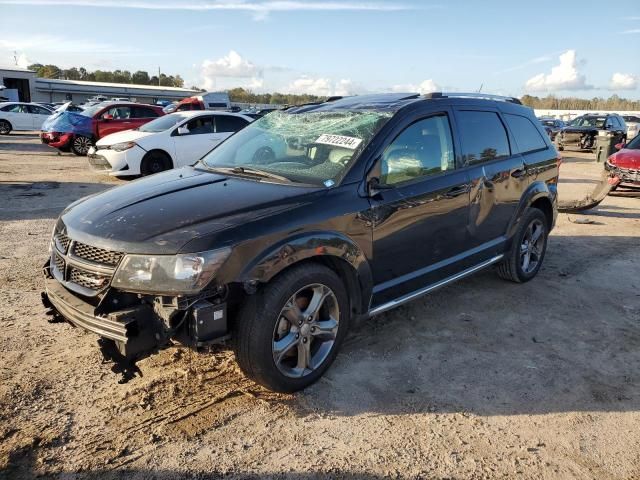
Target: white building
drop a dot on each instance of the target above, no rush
(31, 88)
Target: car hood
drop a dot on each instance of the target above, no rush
(161, 213)
(121, 137)
(579, 129)
(626, 158)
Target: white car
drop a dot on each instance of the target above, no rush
(633, 125)
(22, 116)
(170, 141)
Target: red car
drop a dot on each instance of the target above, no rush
(625, 163)
(77, 131)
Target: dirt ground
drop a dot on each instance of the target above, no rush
(483, 379)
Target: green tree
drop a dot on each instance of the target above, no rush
(140, 78)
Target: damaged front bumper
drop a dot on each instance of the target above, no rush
(626, 175)
(142, 326)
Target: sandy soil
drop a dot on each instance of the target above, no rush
(484, 379)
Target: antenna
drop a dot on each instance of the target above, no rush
(480, 89)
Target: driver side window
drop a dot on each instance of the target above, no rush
(200, 125)
(118, 113)
(423, 149)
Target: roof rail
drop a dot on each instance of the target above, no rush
(486, 96)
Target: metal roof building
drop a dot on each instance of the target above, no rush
(31, 88)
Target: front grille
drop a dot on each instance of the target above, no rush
(86, 279)
(62, 242)
(74, 263)
(96, 255)
(59, 262)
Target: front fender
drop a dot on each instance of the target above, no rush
(308, 245)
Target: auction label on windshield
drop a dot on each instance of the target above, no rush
(339, 141)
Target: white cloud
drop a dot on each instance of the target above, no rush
(22, 61)
(631, 31)
(323, 87)
(258, 7)
(232, 65)
(623, 81)
(427, 86)
(564, 76)
(61, 44)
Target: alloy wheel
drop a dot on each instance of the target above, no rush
(532, 246)
(306, 330)
(82, 145)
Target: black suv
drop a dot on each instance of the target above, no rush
(581, 132)
(305, 221)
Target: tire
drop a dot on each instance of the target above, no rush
(5, 127)
(514, 266)
(155, 162)
(262, 329)
(80, 145)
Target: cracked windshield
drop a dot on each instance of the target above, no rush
(315, 148)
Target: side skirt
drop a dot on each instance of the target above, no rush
(423, 291)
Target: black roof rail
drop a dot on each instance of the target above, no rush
(486, 96)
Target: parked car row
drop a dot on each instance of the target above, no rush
(21, 116)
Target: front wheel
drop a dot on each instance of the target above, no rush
(524, 259)
(80, 145)
(155, 162)
(287, 335)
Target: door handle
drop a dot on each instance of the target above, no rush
(521, 172)
(457, 191)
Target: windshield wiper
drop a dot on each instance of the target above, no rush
(252, 172)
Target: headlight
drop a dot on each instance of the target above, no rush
(121, 147)
(169, 274)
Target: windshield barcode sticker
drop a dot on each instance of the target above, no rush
(339, 141)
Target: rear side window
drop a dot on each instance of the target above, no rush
(142, 112)
(527, 135)
(229, 123)
(15, 108)
(483, 136)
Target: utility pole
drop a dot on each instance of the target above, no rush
(15, 57)
(158, 76)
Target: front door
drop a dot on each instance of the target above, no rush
(115, 119)
(420, 212)
(192, 145)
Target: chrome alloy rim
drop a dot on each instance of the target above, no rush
(82, 144)
(532, 246)
(306, 330)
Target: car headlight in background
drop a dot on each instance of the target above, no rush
(121, 147)
(169, 274)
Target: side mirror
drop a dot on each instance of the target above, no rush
(183, 130)
(107, 117)
(374, 187)
(620, 146)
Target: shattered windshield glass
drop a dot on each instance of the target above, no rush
(313, 147)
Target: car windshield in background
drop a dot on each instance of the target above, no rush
(315, 148)
(161, 124)
(92, 110)
(631, 118)
(634, 144)
(548, 123)
(597, 122)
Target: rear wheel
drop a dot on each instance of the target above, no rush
(5, 127)
(155, 162)
(80, 145)
(524, 260)
(287, 335)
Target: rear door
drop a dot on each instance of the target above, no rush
(227, 125)
(497, 173)
(38, 115)
(19, 117)
(141, 115)
(420, 214)
(199, 140)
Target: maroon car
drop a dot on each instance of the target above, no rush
(77, 131)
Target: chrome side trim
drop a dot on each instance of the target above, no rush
(418, 293)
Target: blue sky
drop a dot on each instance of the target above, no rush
(341, 47)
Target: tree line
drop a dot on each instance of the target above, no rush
(240, 95)
(116, 76)
(551, 102)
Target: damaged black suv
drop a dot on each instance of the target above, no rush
(305, 221)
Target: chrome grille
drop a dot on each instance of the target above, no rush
(62, 242)
(59, 262)
(86, 279)
(96, 255)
